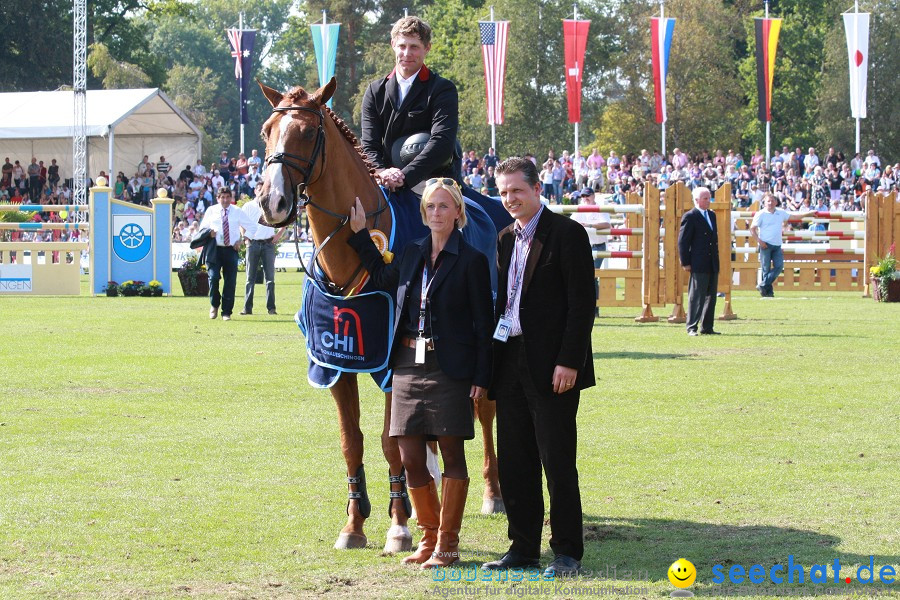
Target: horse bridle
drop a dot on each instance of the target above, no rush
(301, 198)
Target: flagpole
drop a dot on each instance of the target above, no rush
(241, 33)
(768, 161)
(575, 6)
(856, 44)
(493, 124)
(662, 22)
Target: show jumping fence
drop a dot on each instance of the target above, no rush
(834, 257)
(59, 272)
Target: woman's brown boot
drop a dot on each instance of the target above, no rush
(428, 508)
(453, 504)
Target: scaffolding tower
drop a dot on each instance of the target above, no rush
(79, 77)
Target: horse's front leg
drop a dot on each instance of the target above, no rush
(399, 538)
(346, 395)
(492, 500)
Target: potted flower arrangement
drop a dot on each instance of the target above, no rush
(886, 278)
(130, 288)
(193, 277)
(111, 289)
(154, 289)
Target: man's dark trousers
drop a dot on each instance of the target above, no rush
(225, 268)
(702, 301)
(524, 417)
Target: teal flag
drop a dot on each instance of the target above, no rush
(325, 39)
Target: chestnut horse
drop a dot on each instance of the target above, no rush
(313, 158)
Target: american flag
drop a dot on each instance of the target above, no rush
(493, 50)
(234, 37)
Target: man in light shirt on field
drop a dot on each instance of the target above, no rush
(766, 228)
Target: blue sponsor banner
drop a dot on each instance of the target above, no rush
(352, 334)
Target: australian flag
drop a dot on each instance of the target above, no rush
(242, 51)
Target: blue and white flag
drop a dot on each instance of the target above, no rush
(325, 41)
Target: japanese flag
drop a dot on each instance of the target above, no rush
(857, 27)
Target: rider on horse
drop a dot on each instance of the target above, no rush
(411, 99)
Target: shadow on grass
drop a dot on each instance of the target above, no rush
(641, 550)
(649, 546)
(643, 355)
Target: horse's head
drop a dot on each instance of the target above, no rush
(295, 145)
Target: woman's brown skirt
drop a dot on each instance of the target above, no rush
(426, 401)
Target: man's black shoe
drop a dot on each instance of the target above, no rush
(512, 560)
(246, 312)
(562, 566)
(710, 333)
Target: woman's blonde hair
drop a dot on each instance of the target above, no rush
(454, 192)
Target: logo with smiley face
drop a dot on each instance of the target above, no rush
(682, 574)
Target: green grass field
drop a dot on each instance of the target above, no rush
(148, 452)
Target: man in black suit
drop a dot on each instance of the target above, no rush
(542, 361)
(409, 100)
(698, 247)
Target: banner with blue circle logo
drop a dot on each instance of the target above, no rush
(132, 236)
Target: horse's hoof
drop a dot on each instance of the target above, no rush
(398, 540)
(493, 506)
(350, 541)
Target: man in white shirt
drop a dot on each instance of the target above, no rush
(261, 247)
(199, 169)
(254, 160)
(810, 161)
(595, 223)
(224, 222)
(217, 181)
(766, 229)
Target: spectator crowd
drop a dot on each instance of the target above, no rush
(800, 180)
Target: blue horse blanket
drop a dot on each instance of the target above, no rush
(355, 334)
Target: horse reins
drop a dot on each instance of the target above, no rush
(301, 198)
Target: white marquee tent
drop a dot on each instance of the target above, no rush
(122, 126)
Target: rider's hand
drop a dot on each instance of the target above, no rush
(357, 216)
(392, 178)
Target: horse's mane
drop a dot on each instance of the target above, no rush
(298, 94)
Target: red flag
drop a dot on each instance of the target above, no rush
(575, 37)
(493, 50)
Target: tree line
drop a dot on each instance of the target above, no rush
(180, 47)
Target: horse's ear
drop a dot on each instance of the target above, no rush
(273, 96)
(324, 93)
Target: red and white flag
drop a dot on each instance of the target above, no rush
(575, 35)
(493, 50)
(857, 27)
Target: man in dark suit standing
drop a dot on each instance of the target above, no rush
(411, 99)
(542, 361)
(698, 247)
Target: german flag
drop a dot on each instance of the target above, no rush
(766, 44)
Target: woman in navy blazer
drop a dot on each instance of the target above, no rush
(441, 357)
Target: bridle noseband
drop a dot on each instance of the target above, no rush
(301, 198)
(294, 162)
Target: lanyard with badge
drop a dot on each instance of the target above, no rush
(421, 340)
(504, 325)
